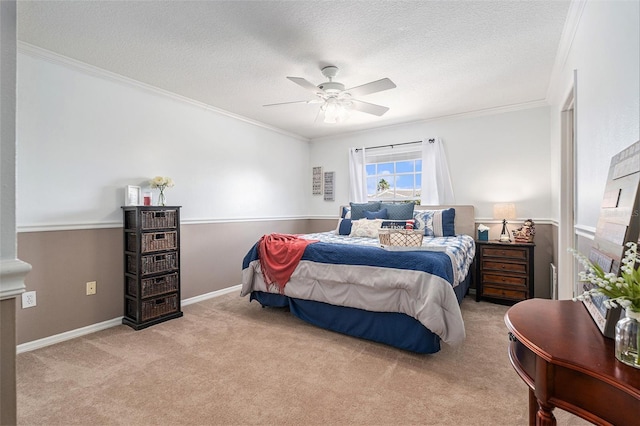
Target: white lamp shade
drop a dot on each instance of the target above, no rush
(504, 211)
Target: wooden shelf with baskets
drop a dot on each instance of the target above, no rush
(151, 265)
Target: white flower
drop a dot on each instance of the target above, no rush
(623, 290)
(161, 182)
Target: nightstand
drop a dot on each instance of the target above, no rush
(504, 271)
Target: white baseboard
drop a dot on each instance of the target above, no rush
(211, 295)
(67, 335)
(83, 331)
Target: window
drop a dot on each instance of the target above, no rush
(394, 174)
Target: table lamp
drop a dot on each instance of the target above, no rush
(504, 211)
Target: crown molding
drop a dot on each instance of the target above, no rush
(564, 47)
(469, 114)
(55, 58)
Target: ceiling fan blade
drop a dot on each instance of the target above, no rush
(373, 87)
(313, 101)
(374, 109)
(307, 85)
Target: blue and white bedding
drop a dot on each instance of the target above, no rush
(356, 272)
(460, 248)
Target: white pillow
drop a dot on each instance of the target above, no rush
(365, 227)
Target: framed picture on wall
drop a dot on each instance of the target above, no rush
(317, 181)
(132, 195)
(329, 181)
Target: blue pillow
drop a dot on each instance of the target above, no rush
(436, 223)
(401, 211)
(380, 214)
(344, 227)
(346, 213)
(357, 209)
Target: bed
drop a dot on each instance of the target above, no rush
(405, 298)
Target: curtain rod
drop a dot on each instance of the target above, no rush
(396, 144)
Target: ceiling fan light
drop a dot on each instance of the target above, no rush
(331, 112)
(344, 114)
(336, 112)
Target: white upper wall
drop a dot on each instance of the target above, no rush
(83, 136)
(492, 158)
(605, 52)
(7, 129)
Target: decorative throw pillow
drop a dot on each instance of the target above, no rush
(380, 214)
(365, 228)
(346, 212)
(398, 224)
(357, 209)
(401, 211)
(436, 223)
(344, 227)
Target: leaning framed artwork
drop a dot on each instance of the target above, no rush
(132, 195)
(617, 224)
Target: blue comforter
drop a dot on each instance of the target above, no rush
(362, 275)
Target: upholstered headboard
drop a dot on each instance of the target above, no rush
(465, 220)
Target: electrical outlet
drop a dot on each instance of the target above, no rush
(28, 299)
(91, 287)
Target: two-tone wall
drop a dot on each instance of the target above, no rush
(84, 134)
(502, 156)
(599, 66)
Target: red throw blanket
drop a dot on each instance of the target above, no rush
(279, 256)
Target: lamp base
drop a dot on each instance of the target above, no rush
(504, 234)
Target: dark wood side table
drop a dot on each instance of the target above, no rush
(558, 351)
(504, 271)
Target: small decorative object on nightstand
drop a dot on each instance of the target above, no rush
(483, 233)
(504, 271)
(525, 233)
(151, 265)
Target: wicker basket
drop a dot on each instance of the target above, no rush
(155, 241)
(154, 308)
(401, 237)
(153, 264)
(153, 286)
(154, 219)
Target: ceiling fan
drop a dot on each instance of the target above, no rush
(336, 101)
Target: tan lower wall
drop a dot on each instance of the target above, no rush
(211, 254)
(64, 261)
(211, 259)
(8, 365)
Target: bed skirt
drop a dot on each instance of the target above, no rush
(391, 328)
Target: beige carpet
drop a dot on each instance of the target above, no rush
(228, 361)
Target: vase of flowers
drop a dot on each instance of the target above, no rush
(623, 290)
(162, 183)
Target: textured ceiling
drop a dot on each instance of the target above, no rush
(446, 57)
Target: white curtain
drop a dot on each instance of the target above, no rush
(436, 182)
(357, 176)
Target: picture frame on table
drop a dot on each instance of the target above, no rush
(133, 195)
